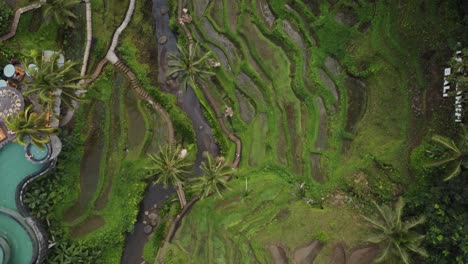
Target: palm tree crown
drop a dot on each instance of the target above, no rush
(459, 153)
(169, 165)
(394, 236)
(61, 11)
(27, 124)
(49, 78)
(190, 65)
(214, 176)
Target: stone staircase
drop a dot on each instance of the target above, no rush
(140, 91)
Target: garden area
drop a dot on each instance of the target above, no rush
(249, 131)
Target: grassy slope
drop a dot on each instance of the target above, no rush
(387, 56)
(236, 228)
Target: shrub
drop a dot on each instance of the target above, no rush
(6, 15)
(322, 237)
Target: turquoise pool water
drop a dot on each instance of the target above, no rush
(21, 245)
(14, 167)
(37, 153)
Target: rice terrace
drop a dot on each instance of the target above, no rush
(233, 131)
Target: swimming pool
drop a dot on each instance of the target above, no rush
(36, 154)
(4, 251)
(14, 228)
(18, 238)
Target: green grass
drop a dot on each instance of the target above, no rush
(282, 134)
(238, 227)
(386, 56)
(106, 19)
(24, 41)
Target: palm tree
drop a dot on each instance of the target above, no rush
(61, 11)
(214, 176)
(51, 79)
(395, 236)
(30, 125)
(459, 153)
(170, 166)
(191, 66)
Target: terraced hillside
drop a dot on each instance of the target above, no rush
(326, 94)
(329, 99)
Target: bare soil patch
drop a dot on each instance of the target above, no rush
(88, 226)
(247, 111)
(333, 66)
(307, 253)
(321, 142)
(339, 255)
(265, 13)
(296, 140)
(328, 83)
(278, 254)
(283, 214)
(357, 101)
(363, 255)
(315, 168)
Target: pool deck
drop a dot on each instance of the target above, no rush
(16, 175)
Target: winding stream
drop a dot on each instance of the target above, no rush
(189, 103)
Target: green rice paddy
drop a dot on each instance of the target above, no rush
(323, 94)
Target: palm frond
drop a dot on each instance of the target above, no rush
(445, 142)
(455, 171)
(409, 224)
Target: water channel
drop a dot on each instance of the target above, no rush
(189, 103)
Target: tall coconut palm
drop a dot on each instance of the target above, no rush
(61, 11)
(50, 79)
(170, 166)
(458, 158)
(215, 173)
(30, 125)
(191, 65)
(395, 236)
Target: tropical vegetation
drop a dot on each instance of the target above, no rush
(5, 16)
(395, 236)
(61, 11)
(456, 158)
(190, 65)
(214, 178)
(337, 105)
(51, 79)
(30, 126)
(170, 167)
